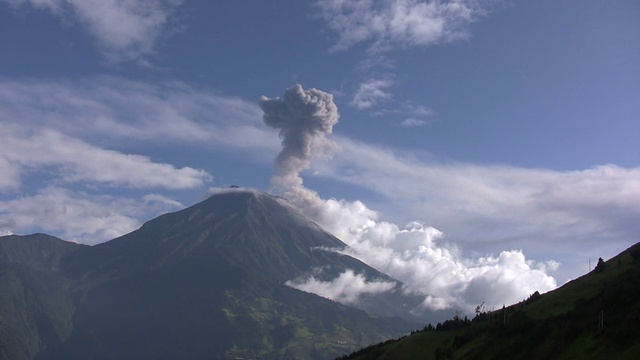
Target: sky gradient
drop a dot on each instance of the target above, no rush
(500, 136)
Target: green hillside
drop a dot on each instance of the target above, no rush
(596, 316)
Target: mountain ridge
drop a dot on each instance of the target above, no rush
(188, 284)
(592, 317)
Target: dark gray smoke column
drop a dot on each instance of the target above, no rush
(303, 117)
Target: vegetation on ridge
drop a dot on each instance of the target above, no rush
(593, 317)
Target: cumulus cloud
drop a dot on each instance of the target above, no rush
(346, 288)
(411, 254)
(303, 118)
(124, 29)
(399, 23)
(370, 93)
(78, 216)
(417, 255)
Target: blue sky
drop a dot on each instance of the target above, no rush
(510, 127)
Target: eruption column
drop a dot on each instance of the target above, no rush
(303, 118)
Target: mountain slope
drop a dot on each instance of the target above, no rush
(249, 229)
(593, 317)
(35, 303)
(204, 282)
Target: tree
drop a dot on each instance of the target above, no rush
(601, 265)
(480, 309)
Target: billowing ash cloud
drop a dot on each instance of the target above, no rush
(303, 117)
(415, 254)
(345, 289)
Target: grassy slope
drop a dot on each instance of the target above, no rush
(562, 324)
(283, 323)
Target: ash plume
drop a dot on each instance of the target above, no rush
(414, 254)
(304, 118)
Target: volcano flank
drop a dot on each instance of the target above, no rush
(208, 281)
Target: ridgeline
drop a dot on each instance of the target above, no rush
(596, 316)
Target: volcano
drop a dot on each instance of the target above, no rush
(208, 281)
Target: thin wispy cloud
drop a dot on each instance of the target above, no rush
(371, 92)
(412, 115)
(124, 29)
(117, 108)
(68, 133)
(413, 122)
(387, 25)
(72, 160)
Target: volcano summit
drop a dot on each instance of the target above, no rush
(209, 281)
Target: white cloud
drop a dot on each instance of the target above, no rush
(417, 256)
(78, 216)
(125, 29)
(479, 206)
(414, 115)
(116, 109)
(10, 178)
(346, 288)
(370, 93)
(399, 23)
(501, 205)
(73, 160)
(473, 204)
(418, 110)
(413, 122)
(66, 135)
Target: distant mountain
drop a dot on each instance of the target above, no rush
(204, 282)
(596, 316)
